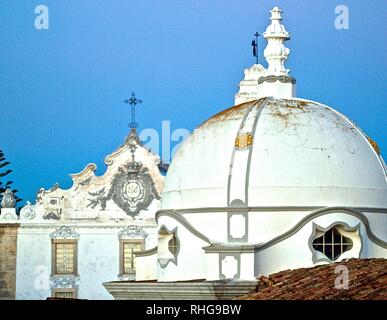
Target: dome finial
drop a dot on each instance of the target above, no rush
(276, 53)
(274, 81)
(276, 14)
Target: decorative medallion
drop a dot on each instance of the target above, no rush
(132, 188)
(243, 141)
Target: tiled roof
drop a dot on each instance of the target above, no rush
(367, 280)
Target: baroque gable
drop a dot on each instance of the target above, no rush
(130, 188)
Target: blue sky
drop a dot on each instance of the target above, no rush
(62, 89)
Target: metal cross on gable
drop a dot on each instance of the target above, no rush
(133, 101)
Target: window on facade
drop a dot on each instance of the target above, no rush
(128, 250)
(332, 244)
(64, 257)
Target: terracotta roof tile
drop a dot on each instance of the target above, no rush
(367, 280)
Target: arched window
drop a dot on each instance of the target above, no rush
(332, 243)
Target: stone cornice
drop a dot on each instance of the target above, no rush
(179, 290)
(269, 209)
(223, 247)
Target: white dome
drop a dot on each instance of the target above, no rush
(290, 152)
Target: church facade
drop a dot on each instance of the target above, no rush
(71, 241)
(275, 182)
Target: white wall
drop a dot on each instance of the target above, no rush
(98, 262)
(146, 267)
(98, 259)
(33, 266)
(191, 260)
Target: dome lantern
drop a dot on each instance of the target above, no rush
(276, 53)
(275, 80)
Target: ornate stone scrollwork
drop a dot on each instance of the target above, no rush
(8, 214)
(63, 282)
(53, 215)
(27, 212)
(272, 78)
(40, 195)
(64, 232)
(85, 182)
(54, 187)
(132, 188)
(132, 232)
(53, 207)
(99, 198)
